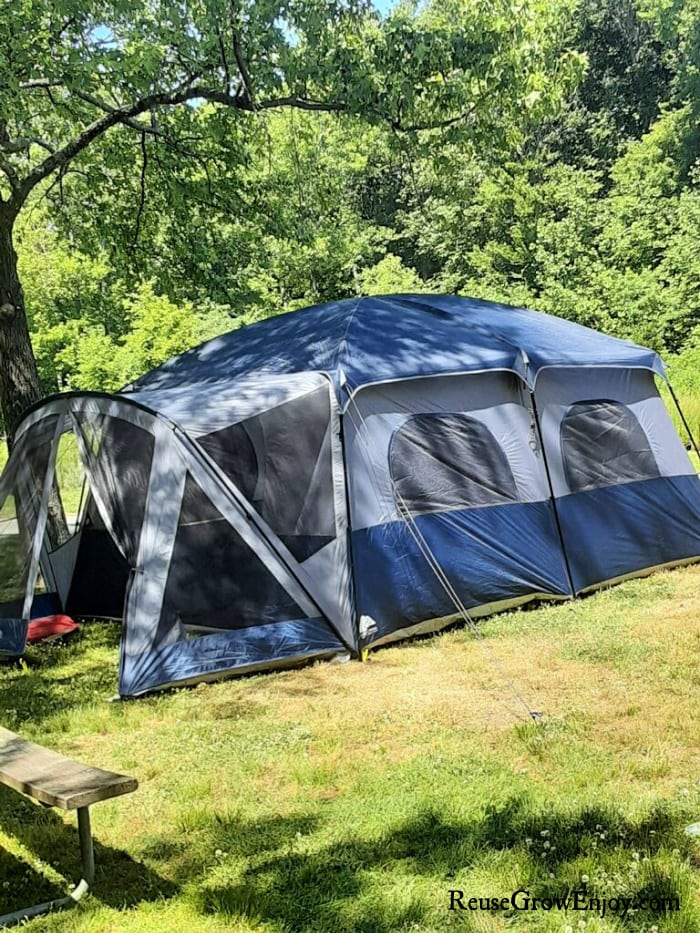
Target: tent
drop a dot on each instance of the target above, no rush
(343, 476)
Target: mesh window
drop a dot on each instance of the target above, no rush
(444, 462)
(281, 461)
(215, 580)
(14, 560)
(120, 455)
(19, 513)
(234, 451)
(68, 493)
(603, 444)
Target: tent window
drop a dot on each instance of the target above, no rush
(19, 513)
(68, 499)
(281, 461)
(215, 580)
(234, 451)
(15, 544)
(603, 444)
(120, 455)
(444, 462)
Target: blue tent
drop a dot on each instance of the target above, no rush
(344, 476)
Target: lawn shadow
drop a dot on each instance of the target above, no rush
(35, 688)
(120, 880)
(21, 885)
(291, 882)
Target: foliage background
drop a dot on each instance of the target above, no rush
(588, 208)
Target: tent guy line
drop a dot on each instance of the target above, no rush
(460, 608)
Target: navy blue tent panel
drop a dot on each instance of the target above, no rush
(361, 341)
(489, 555)
(617, 530)
(13, 636)
(212, 655)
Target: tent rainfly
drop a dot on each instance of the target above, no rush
(341, 477)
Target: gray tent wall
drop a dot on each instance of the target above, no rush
(626, 491)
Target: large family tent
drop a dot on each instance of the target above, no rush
(340, 477)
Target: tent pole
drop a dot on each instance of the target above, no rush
(361, 653)
(693, 442)
(551, 491)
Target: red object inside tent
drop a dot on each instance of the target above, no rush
(50, 627)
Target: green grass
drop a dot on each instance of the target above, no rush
(354, 797)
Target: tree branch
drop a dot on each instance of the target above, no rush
(40, 83)
(95, 129)
(174, 143)
(240, 60)
(298, 103)
(126, 113)
(438, 125)
(23, 143)
(139, 125)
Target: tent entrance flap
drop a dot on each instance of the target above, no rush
(208, 597)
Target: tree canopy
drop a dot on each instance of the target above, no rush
(169, 172)
(105, 102)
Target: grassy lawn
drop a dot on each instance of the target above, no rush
(354, 797)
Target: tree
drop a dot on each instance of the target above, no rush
(183, 77)
(627, 82)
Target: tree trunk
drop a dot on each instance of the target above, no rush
(19, 380)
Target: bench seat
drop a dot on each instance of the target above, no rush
(53, 779)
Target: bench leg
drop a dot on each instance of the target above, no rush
(87, 856)
(87, 853)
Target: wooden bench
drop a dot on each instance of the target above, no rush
(56, 781)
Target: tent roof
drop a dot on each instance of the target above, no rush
(360, 341)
